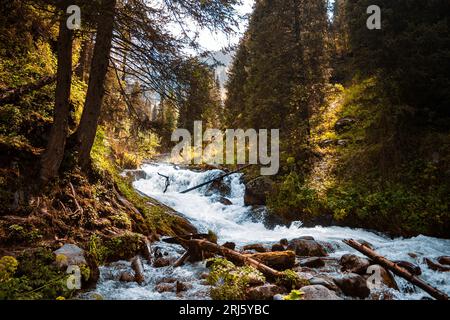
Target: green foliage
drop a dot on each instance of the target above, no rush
(294, 197)
(291, 280)
(230, 282)
(32, 276)
(121, 247)
(23, 234)
(294, 295)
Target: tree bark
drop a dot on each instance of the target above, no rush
(401, 272)
(99, 67)
(82, 70)
(53, 155)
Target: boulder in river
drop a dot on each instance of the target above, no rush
(354, 264)
(318, 292)
(353, 285)
(219, 187)
(325, 281)
(161, 262)
(436, 266)
(313, 262)
(411, 267)
(444, 260)
(277, 247)
(256, 247)
(257, 190)
(126, 277)
(225, 201)
(386, 278)
(229, 245)
(265, 292)
(307, 248)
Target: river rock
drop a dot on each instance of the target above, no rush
(225, 201)
(265, 292)
(307, 248)
(353, 285)
(229, 245)
(314, 262)
(166, 287)
(126, 277)
(182, 286)
(219, 187)
(324, 281)
(256, 191)
(318, 292)
(444, 260)
(411, 267)
(436, 266)
(70, 255)
(277, 247)
(161, 262)
(256, 247)
(354, 264)
(344, 124)
(387, 278)
(277, 260)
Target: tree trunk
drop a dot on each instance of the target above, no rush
(53, 155)
(281, 260)
(82, 70)
(99, 67)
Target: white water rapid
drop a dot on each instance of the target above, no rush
(234, 223)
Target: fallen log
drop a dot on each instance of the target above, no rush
(182, 259)
(396, 269)
(136, 265)
(281, 260)
(196, 247)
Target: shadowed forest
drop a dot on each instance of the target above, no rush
(87, 115)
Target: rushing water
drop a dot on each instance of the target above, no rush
(234, 223)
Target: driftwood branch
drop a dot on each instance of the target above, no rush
(396, 269)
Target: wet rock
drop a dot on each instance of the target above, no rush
(324, 281)
(435, 266)
(277, 260)
(354, 264)
(344, 124)
(411, 267)
(285, 242)
(366, 244)
(318, 292)
(265, 292)
(225, 201)
(314, 262)
(161, 262)
(219, 187)
(386, 278)
(126, 277)
(166, 287)
(256, 191)
(70, 255)
(444, 260)
(353, 285)
(277, 247)
(262, 214)
(135, 175)
(278, 297)
(229, 245)
(307, 248)
(413, 255)
(182, 286)
(256, 247)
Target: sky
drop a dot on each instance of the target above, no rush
(216, 41)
